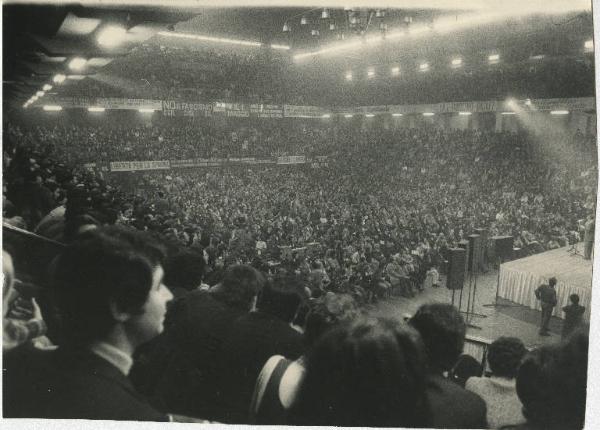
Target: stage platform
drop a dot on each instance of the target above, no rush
(519, 278)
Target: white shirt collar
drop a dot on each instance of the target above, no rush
(113, 355)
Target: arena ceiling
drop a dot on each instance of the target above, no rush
(40, 39)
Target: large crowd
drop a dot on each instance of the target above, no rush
(303, 247)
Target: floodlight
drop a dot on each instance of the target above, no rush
(111, 36)
(77, 63)
(59, 79)
(325, 14)
(395, 71)
(276, 46)
(326, 115)
(143, 110)
(25, 105)
(47, 87)
(589, 45)
(348, 115)
(528, 102)
(96, 109)
(423, 67)
(494, 58)
(40, 94)
(303, 21)
(369, 115)
(349, 76)
(559, 112)
(370, 73)
(457, 62)
(396, 114)
(332, 26)
(52, 108)
(428, 114)
(465, 113)
(286, 28)
(508, 113)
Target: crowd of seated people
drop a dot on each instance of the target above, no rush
(378, 219)
(257, 348)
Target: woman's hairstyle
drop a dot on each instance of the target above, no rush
(326, 312)
(364, 373)
(103, 267)
(552, 383)
(505, 355)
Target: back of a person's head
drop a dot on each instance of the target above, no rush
(574, 299)
(505, 355)
(552, 281)
(327, 312)
(185, 269)
(466, 367)
(281, 296)
(552, 383)
(240, 286)
(103, 268)
(443, 330)
(364, 373)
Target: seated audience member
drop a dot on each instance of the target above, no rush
(184, 271)
(499, 391)
(16, 332)
(109, 293)
(196, 326)
(279, 380)
(466, 367)
(573, 315)
(254, 338)
(443, 331)
(366, 373)
(552, 384)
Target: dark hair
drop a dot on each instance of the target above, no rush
(552, 281)
(466, 367)
(101, 267)
(552, 384)
(241, 284)
(326, 312)
(505, 355)
(184, 269)
(281, 296)
(442, 329)
(574, 299)
(366, 373)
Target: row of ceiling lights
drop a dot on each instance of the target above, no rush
(457, 62)
(76, 64)
(353, 19)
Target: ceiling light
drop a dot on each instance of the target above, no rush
(52, 108)
(348, 115)
(325, 14)
(457, 62)
(464, 113)
(303, 21)
(538, 57)
(395, 71)
(96, 109)
(59, 79)
(77, 63)
(589, 45)
(508, 113)
(76, 77)
(25, 105)
(424, 67)
(528, 102)
(559, 112)
(40, 94)
(428, 114)
(494, 58)
(47, 87)
(332, 26)
(146, 110)
(275, 46)
(349, 76)
(379, 13)
(396, 114)
(111, 36)
(326, 115)
(314, 32)
(370, 73)
(369, 115)
(286, 27)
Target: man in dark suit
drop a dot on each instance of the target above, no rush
(443, 331)
(109, 293)
(178, 372)
(546, 294)
(252, 340)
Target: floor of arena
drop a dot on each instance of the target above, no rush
(510, 320)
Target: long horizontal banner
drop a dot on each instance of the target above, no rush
(131, 166)
(182, 108)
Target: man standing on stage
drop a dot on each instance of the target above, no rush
(588, 238)
(547, 295)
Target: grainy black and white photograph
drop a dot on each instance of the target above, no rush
(357, 214)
